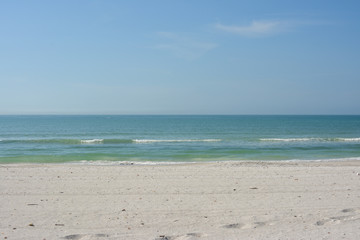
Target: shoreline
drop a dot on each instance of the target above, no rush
(353, 160)
(204, 200)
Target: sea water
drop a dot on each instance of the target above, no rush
(154, 139)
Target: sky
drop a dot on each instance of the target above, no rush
(179, 57)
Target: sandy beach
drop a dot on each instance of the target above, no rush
(219, 200)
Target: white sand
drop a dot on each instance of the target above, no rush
(232, 200)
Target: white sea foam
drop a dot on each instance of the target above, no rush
(311, 139)
(92, 141)
(174, 140)
(288, 139)
(124, 163)
(319, 160)
(349, 139)
(219, 160)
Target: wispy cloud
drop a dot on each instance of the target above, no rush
(183, 46)
(255, 28)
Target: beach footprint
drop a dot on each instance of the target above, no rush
(246, 226)
(234, 225)
(86, 236)
(188, 236)
(353, 214)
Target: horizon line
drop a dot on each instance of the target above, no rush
(179, 114)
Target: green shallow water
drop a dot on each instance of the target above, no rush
(57, 139)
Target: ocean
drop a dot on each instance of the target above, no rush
(102, 139)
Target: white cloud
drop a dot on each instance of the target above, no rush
(184, 46)
(256, 28)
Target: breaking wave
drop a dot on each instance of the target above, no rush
(174, 140)
(310, 139)
(92, 141)
(102, 141)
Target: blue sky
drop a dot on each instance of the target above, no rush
(180, 57)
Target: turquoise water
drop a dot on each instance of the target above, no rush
(177, 138)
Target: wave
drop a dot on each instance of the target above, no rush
(174, 140)
(92, 141)
(66, 141)
(102, 141)
(286, 139)
(349, 139)
(42, 141)
(310, 139)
